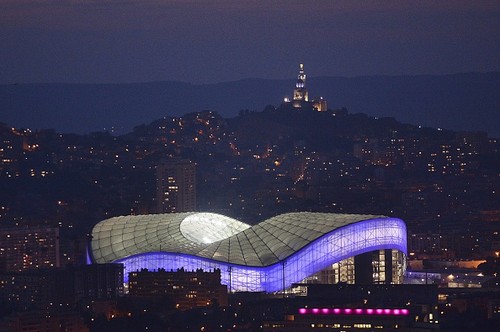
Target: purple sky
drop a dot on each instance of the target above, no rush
(106, 41)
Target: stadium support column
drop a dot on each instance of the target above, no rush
(284, 284)
(229, 269)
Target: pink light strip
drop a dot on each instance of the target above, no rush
(356, 311)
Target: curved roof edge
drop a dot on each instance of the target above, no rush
(214, 236)
(348, 241)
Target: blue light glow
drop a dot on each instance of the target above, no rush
(348, 241)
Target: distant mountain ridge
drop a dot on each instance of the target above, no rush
(469, 101)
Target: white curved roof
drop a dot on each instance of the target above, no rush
(213, 236)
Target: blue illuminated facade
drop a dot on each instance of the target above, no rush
(269, 257)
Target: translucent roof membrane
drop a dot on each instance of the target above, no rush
(267, 257)
(214, 236)
(210, 227)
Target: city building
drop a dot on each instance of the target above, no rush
(26, 290)
(270, 256)
(347, 319)
(48, 289)
(188, 289)
(98, 281)
(300, 98)
(364, 307)
(28, 248)
(176, 186)
(449, 277)
(43, 321)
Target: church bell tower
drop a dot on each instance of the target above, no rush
(300, 91)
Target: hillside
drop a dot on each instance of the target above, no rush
(459, 102)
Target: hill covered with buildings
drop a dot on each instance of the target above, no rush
(55, 187)
(257, 165)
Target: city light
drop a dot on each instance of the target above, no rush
(356, 311)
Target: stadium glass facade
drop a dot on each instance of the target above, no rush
(269, 256)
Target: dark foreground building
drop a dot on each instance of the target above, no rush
(187, 289)
(361, 308)
(56, 288)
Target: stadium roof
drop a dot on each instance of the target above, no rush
(214, 237)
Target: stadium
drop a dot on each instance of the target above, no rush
(271, 256)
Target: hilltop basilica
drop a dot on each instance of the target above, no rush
(300, 99)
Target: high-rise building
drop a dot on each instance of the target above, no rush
(176, 186)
